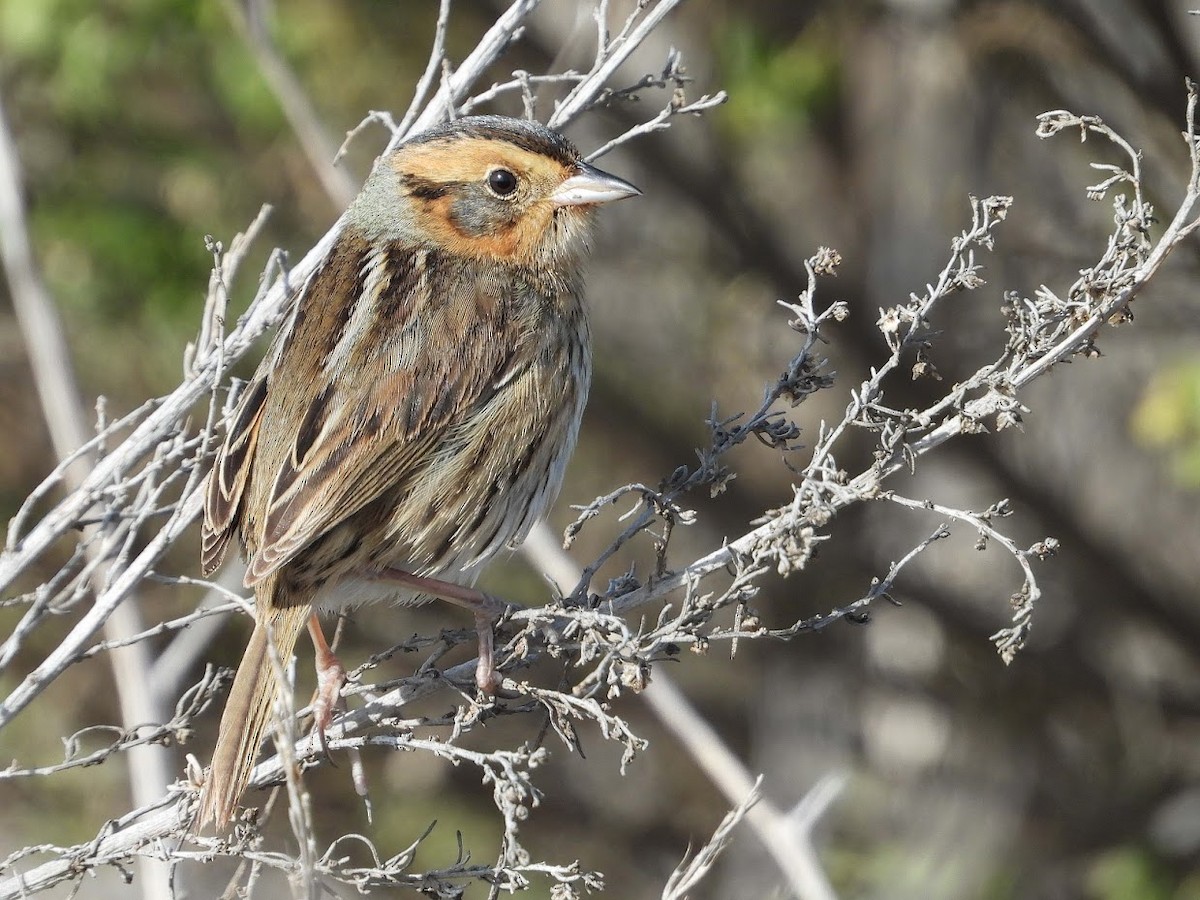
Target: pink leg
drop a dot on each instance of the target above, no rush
(331, 675)
(487, 611)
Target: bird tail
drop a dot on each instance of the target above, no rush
(247, 712)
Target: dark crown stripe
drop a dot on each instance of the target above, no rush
(531, 136)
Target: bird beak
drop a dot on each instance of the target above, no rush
(592, 186)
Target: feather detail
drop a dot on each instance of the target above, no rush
(227, 481)
(435, 358)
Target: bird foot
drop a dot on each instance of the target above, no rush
(331, 678)
(487, 679)
(486, 608)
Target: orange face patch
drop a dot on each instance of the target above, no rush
(517, 242)
(466, 163)
(470, 160)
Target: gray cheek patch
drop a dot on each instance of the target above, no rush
(478, 214)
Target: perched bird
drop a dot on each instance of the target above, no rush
(416, 412)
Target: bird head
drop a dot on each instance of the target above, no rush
(489, 188)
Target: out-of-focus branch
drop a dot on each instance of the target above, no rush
(54, 377)
(787, 840)
(45, 342)
(250, 19)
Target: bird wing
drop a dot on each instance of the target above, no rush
(227, 481)
(433, 342)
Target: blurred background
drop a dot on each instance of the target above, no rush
(144, 125)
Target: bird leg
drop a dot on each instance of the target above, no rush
(487, 611)
(331, 676)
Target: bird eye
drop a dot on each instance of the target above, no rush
(502, 182)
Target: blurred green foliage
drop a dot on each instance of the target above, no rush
(1168, 418)
(145, 125)
(777, 79)
(1128, 873)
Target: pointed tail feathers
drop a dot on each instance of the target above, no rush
(247, 712)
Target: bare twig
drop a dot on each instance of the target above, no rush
(789, 845)
(696, 865)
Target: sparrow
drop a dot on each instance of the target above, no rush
(415, 413)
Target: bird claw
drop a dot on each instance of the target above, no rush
(487, 679)
(331, 678)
